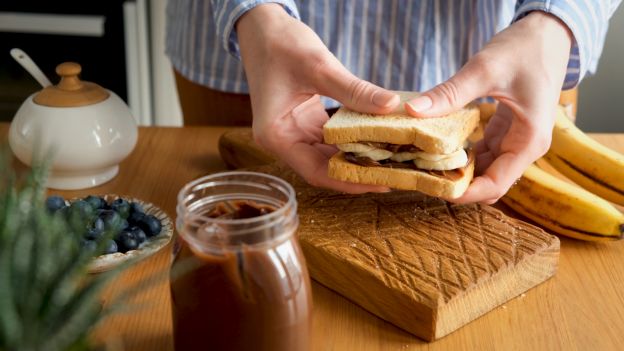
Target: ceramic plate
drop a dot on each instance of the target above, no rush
(149, 247)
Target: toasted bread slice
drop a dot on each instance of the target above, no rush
(399, 178)
(440, 135)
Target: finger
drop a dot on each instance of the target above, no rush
(311, 163)
(461, 89)
(308, 119)
(335, 81)
(520, 147)
(496, 180)
(497, 128)
(326, 149)
(494, 134)
(480, 147)
(483, 161)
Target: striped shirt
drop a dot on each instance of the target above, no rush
(397, 44)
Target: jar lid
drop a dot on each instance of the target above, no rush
(70, 91)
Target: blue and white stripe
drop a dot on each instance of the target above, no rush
(588, 21)
(397, 44)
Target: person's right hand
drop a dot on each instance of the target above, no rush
(287, 68)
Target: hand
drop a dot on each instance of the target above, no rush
(287, 67)
(523, 67)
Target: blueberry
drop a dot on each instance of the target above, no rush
(124, 233)
(135, 218)
(111, 247)
(96, 230)
(136, 207)
(64, 212)
(122, 207)
(150, 225)
(138, 234)
(112, 220)
(98, 224)
(55, 203)
(89, 245)
(82, 209)
(126, 241)
(95, 201)
(80, 216)
(93, 234)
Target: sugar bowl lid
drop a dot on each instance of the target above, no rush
(70, 91)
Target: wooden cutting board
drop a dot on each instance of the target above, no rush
(423, 264)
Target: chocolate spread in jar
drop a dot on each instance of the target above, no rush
(255, 298)
(239, 209)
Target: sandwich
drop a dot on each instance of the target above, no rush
(430, 155)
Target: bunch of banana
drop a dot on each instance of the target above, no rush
(585, 161)
(563, 207)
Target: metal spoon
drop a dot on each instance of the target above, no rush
(29, 65)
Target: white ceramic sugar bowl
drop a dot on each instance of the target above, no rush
(89, 130)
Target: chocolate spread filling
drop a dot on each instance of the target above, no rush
(453, 174)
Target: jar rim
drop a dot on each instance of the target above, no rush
(284, 186)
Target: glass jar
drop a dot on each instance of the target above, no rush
(244, 284)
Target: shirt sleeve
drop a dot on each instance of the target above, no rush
(227, 12)
(588, 20)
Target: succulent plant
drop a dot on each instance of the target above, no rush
(48, 301)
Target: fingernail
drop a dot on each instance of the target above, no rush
(383, 98)
(420, 104)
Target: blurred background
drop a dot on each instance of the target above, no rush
(120, 45)
(601, 95)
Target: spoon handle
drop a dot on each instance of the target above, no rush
(29, 65)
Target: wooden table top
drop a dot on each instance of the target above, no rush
(581, 308)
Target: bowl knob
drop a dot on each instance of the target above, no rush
(71, 91)
(69, 72)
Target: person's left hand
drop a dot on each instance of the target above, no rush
(523, 67)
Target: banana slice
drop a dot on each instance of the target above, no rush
(355, 147)
(422, 160)
(363, 150)
(409, 156)
(375, 154)
(404, 156)
(455, 160)
(438, 157)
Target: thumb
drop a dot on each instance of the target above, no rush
(461, 89)
(335, 81)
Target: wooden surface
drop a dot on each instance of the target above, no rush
(238, 149)
(426, 266)
(580, 308)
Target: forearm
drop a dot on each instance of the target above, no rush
(228, 12)
(262, 19)
(587, 22)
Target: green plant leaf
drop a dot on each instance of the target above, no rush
(48, 300)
